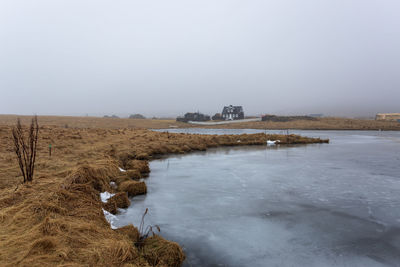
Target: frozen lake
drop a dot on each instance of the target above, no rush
(334, 204)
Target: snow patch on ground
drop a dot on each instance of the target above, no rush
(111, 218)
(105, 196)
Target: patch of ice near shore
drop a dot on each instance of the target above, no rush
(113, 185)
(105, 196)
(121, 170)
(111, 218)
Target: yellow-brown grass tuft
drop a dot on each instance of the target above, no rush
(160, 252)
(130, 232)
(43, 245)
(133, 188)
(141, 165)
(121, 251)
(121, 178)
(110, 207)
(121, 200)
(134, 174)
(52, 226)
(97, 177)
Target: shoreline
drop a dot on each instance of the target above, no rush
(277, 129)
(62, 205)
(325, 123)
(226, 146)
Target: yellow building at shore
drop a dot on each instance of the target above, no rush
(387, 116)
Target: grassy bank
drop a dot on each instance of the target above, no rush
(328, 123)
(58, 218)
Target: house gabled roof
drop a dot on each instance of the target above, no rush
(232, 109)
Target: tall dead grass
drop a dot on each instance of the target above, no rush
(66, 225)
(326, 123)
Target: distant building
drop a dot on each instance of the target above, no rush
(316, 115)
(137, 116)
(387, 117)
(196, 116)
(232, 113)
(112, 116)
(217, 117)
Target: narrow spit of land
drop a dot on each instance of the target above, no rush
(58, 218)
(326, 123)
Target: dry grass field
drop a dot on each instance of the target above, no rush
(58, 220)
(94, 122)
(328, 123)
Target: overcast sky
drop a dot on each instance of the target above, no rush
(166, 57)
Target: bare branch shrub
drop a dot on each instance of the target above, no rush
(25, 148)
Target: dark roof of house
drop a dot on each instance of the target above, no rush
(232, 109)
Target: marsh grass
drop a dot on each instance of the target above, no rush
(325, 123)
(61, 207)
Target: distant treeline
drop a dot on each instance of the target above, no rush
(132, 116)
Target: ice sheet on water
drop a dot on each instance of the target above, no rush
(318, 205)
(110, 218)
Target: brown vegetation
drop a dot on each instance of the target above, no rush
(134, 174)
(119, 200)
(133, 188)
(329, 123)
(139, 165)
(94, 122)
(160, 252)
(129, 231)
(326, 123)
(57, 219)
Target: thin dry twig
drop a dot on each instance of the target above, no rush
(145, 232)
